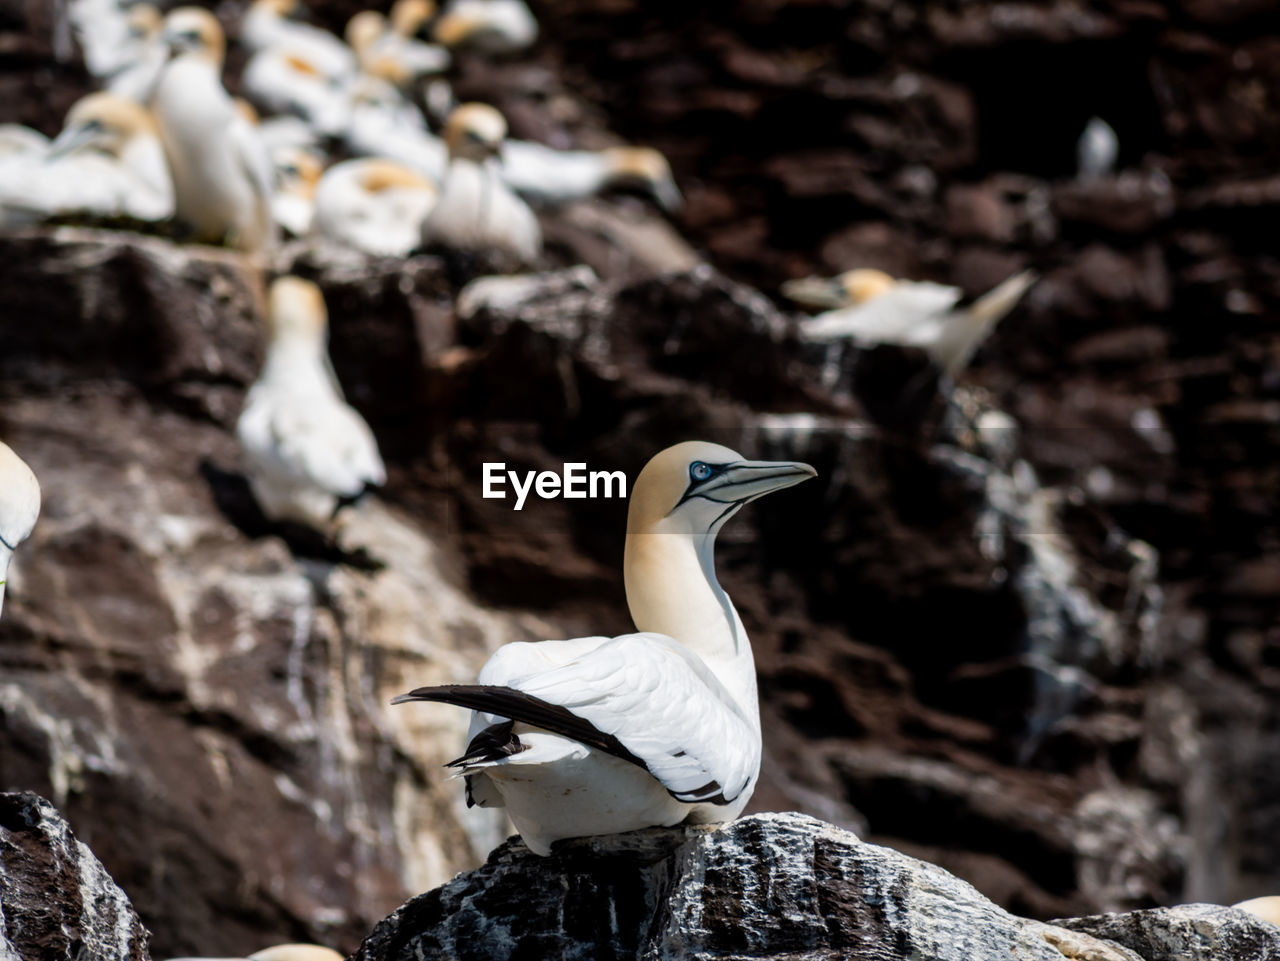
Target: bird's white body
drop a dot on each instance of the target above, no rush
(1097, 150)
(305, 448)
(101, 28)
(922, 314)
(221, 169)
(282, 82)
(551, 177)
(654, 728)
(137, 80)
(263, 27)
(384, 124)
(478, 211)
(19, 507)
(373, 205)
(19, 141)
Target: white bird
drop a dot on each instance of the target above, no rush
(477, 210)
(490, 26)
(1097, 150)
(374, 205)
(307, 451)
(266, 25)
(19, 507)
(881, 310)
(384, 124)
(387, 46)
(18, 141)
(107, 162)
(1266, 908)
(101, 28)
(545, 175)
(147, 53)
(282, 952)
(599, 735)
(221, 169)
(297, 175)
(284, 82)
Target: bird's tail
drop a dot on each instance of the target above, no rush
(998, 301)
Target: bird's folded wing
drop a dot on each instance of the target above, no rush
(329, 447)
(641, 697)
(890, 317)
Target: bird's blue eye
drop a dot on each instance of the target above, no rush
(700, 471)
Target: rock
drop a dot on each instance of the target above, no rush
(1188, 932)
(769, 886)
(57, 902)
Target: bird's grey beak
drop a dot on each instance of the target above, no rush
(668, 196)
(5, 555)
(72, 139)
(746, 480)
(817, 293)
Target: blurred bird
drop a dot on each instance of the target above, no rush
(266, 25)
(17, 141)
(600, 735)
(880, 310)
(107, 162)
(282, 952)
(489, 26)
(284, 132)
(145, 56)
(293, 203)
(1268, 908)
(19, 507)
(374, 205)
(1097, 150)
(386, 46)
(101, 29)
(384, 124)
(548, 176)
(221, 169)
(306, 450)
(476, 210)
(284, 82)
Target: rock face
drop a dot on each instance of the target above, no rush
(769, 886)
(57, 902)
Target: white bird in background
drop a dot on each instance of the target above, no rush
(284, 82)
(107, 162)
(1097, 150)
(600, 735)
(307, 451)
(266, 25)
(282, 952)
(489, 26)
(221, 169)
(548, 176)
(1266, 908)
(477, 210)
(374, 205)
(387, 46)
(19, 507)
(101, 29)
(873, 308)
(146, 57)
(17, 141)
(385, 124)
(297, 175)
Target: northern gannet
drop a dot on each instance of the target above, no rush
(387, 45)
(285, 82)
(477, 210)
(490, 26)
(282, 952)
(266, 24)
(221, 169)
(297, 174)
(548, 176)
(19, 507)
(19, 141)
(107, 162)
(146, 57)
(374, 205)
(385, 124)
(1267, 908)
(307, 451)
(600, 735)
(1097, 150)
(880, 310)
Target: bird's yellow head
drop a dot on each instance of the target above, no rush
(410, 16)
(378, 176)
(364, 29)
(144, 20)
(298, 171)
(475, 131)
(195, 31)
(281, 8)
(864, 284)
(647, 168)
(295, 307)
(460, 29)
(102, 121)
(695, 486)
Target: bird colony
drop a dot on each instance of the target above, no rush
(357, 142)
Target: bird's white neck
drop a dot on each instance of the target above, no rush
(296, 359)
(672, 589)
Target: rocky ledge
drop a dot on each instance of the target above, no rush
(769, 886)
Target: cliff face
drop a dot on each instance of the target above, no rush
(1038, 652)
